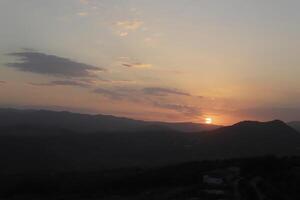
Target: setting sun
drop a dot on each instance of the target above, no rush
(208, 120)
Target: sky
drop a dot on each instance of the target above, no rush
(171, 60)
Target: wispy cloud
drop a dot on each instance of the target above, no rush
(46, 64)
(137, 65)
(82, 14)
(124, 28)
(181, 108)
(130, 25)
(132, 63)
(123, 33)
(62, 83)
(140, 95)
(123, 82)
(121, 93)
(159, 91)
(111, 93)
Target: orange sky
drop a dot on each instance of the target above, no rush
(167, 60)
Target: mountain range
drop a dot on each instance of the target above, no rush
(87, 123)
(61, 141)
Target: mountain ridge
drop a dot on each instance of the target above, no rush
(88, 123)
(32, 147)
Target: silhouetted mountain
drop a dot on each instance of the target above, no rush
(41, 148)
(86, 123)
(251, 138)
(295, 125)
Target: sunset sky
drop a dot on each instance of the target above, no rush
(169, 60)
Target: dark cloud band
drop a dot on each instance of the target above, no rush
(42, 63)
(63, 83)
(158, 91)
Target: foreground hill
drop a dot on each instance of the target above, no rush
(86, 123)
(250, 138)
(248, 178)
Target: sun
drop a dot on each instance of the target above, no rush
(208, 120)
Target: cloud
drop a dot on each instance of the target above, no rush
(158, 91)
(89, 81)
(46, 64)
(123, 34)
(84, 1)
(62, 83)
(123, 81)
(82, 14)
(70, 83)
(136, 65)
(185, 109)
(2, 82)
(121, 93)
(129, 63)
(130, 25)
(135, 95)
(127, 26)
(112, 94)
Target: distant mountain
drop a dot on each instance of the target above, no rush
(295, 125)
(86, 123)
(188, 126)
(40, 148)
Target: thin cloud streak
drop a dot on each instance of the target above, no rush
(140, 96)
(136, 65)
(130, 25)
(112, 94)
(187, 110)
(63, 83)
(158, 91)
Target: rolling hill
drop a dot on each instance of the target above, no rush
(54, 146)
(250, 138)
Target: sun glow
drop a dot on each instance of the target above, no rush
(208, 120)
